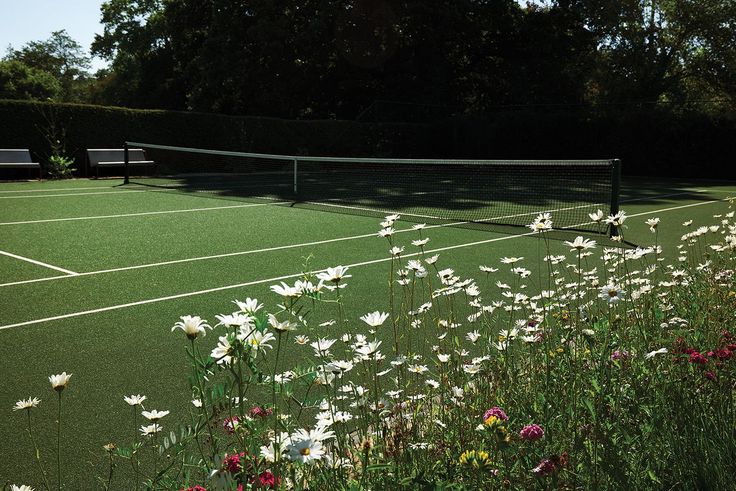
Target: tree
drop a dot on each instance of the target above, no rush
(62, 57)
(663, 50)
(19, 81)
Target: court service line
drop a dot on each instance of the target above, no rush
(249, 283)
(296, 275)
(188, 210)
(51, 190)
(69, 194)
(39, 263)
(254, 251)
(143, 213)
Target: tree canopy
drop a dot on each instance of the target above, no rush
(336, 58)
(60, 57)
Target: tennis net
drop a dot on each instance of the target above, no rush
(502, 192)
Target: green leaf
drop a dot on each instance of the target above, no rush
(589, 406)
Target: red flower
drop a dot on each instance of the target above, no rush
(696, 357)
(722, 354)
(267, 480)
(710, 375)
(232, 462)
(195, 488)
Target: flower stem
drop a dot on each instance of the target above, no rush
(204, 401)
(58, 445)
(38, 452)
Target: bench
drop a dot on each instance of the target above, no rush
(18, 158)
(115, 157)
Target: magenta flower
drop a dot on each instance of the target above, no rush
(531, 433)
(545, 467)
(258, 411)
(497, 412)
(619, 355)
(230, 424)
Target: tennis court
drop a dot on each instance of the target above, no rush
(95, 273)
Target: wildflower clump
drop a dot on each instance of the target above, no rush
(588, 371)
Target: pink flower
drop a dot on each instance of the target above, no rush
(531, 433)
(230, 424)
(497, 412)
(257, 411)
(545, 467)
(619, 355)
(710, 375)
(195, 488)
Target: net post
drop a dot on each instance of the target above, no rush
(126, 160)
(615, 191)
(296, 165)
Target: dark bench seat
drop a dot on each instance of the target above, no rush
(115, 157)
(18, 158)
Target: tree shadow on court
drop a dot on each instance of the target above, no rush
(474, 197)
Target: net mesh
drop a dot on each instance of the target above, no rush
(460, 191)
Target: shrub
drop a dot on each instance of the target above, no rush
(60, 167)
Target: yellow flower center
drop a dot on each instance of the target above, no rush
(304, 451)
(612, 293)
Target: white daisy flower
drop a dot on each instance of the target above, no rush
(192, 326)
(27, 403)
(154, 415)
(59, 382)
(597, 216)
(611, 292)
(654, 353)
(580, 244)
(652, 222)
(136, 400)
(280, 326)
(375, 319)
(334, 275)
(250, 306)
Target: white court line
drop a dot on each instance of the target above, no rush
(69, 194)
(144, 213)
(187, 210)
(39, 263)
(296, 275)
(51, 190)
(267, 249)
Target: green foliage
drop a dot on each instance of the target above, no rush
(60, 167)
(62, 58)
(20, 81)
(334, 59)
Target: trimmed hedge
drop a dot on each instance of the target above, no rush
(655, 142)
(25, 124)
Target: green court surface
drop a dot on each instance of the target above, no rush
(94, 274)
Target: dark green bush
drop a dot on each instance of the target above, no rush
(27, 125)
(654, 142)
